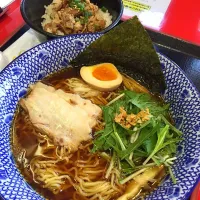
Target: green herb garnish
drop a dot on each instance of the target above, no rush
(143, 145)
(77, 4)
(104, 9)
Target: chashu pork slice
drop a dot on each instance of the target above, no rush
(66, 118)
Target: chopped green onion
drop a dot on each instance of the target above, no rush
(87, 13)
(104, 9)
(81, 6)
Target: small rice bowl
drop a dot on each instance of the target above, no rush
(48, 17)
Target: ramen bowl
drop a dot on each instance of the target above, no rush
(54, 55)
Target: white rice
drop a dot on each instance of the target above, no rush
(47, 15)
(106, 16)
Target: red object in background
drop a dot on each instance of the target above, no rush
(10, 22)
(182, 20)
(196, 193)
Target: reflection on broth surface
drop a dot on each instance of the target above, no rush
(123, 165)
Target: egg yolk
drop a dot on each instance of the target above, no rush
(104, 73)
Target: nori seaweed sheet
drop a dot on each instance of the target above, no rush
(129, 47)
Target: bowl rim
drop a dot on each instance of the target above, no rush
(114, 23)
(198, 92)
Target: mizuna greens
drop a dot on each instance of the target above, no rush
(139, 146)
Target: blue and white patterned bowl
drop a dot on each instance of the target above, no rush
(54, 55)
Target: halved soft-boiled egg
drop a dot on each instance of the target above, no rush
(104, 76)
